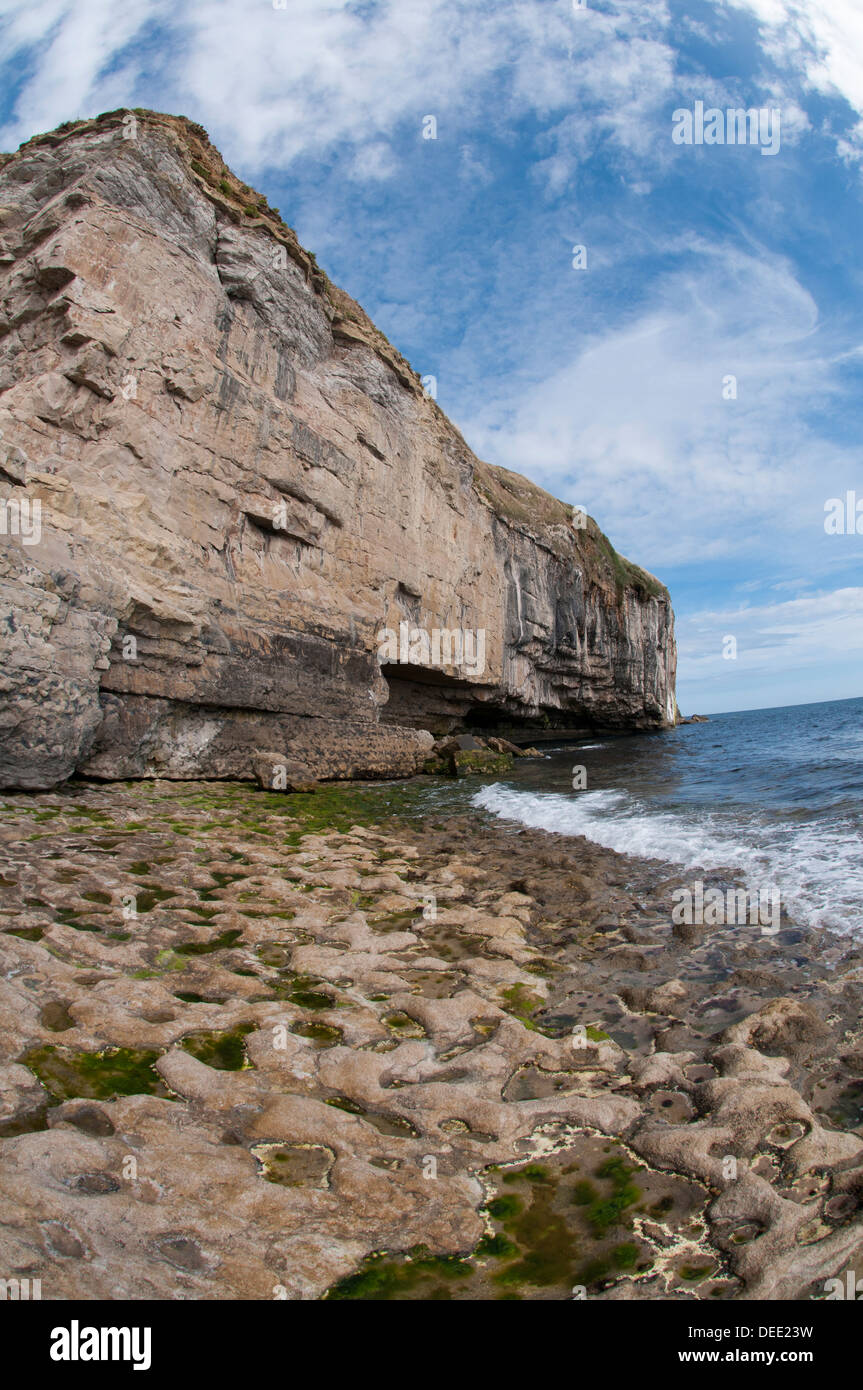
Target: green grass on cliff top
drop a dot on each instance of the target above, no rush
(522, 502)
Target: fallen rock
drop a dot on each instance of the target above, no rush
(503, 745)
(275, 772)
(780, 1025)
(483, 762)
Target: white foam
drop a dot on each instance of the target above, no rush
(816, 867)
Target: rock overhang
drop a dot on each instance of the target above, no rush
(243, 485)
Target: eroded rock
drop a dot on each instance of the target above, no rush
(244, 489)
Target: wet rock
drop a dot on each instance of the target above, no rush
(276, 772)
(823, 1148)
(363, 1076)
(181, 1252)
(61, 1241)
(90, 1119)
(23, 1100)
(503, 745)
(781, 1025)
(672, 1106)
(96, 1184)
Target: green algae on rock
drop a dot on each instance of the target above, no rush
(226, 1050)
(318, 1034)
(313, 999)
(115, 1071)
(530, 1184)
(225, 941)
(295, 1165)
(418, 1275)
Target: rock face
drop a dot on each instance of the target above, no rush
(231, 518)
(236, 1061)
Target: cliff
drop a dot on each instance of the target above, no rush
(227, 506)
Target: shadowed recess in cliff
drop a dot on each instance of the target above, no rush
(241, 485)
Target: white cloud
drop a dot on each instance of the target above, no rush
(807, 648)
(633, 423)
(323, 74)
(374, 161)
(72, 47)
(820, 628)
(821, 39)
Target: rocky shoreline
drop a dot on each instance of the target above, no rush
(360, 1044)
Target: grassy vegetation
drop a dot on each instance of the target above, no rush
(626, 574)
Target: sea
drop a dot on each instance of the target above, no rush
(776, 795)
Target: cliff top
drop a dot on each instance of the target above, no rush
(513, 497)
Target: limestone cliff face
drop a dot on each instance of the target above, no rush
(241, 485)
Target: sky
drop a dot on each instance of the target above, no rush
(693, 376)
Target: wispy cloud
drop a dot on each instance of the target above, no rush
(731, 658)
(324, 73)
(822, 42)
(694, 409)
(610, 386)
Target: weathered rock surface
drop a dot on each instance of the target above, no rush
(276, 772)
(242, 484)
(242, 1050)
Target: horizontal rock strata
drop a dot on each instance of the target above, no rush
(239, 485)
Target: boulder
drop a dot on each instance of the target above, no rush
(483, 761)
(276, 772)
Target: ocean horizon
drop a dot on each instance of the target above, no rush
(775, 795)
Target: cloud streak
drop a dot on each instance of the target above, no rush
(554, 129)
(797, 637)
(325, 74)
(639, 423)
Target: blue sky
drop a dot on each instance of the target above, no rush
(554, 129)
